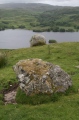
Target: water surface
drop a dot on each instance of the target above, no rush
(14, 39)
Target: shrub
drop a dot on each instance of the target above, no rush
(62, 30)
(13, 27)
(52, 41)
(69, 30)
(5, 22)
(38, 30)
(3, 59)
(21, 26)
(55, 29)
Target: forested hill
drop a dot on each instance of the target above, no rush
(29, 6)
(39, 17)
(67, 17)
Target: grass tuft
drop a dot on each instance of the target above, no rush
(3, 59)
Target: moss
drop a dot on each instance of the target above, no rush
(36, 65)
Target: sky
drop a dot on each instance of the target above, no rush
(52, 2)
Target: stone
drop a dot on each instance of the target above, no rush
(37, 40)
(37, 76)
(77, 66)
(10, 97)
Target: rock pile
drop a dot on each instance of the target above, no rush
(37, 40)
(37, 76)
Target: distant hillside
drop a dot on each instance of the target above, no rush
(39, 17)
(29, 6)
(64, 17)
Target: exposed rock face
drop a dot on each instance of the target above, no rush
(37, 76)
(37, 40)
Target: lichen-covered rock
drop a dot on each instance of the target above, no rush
(37, 40)
(37, 76)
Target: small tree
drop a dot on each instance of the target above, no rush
(62, 30)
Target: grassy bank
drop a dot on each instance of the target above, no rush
(65, 55)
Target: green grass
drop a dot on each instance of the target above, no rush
(66, 55)
(67, 108)
(63, 54)
(3, 60)
(41, 98)
(37, 99)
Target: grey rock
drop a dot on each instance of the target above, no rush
(27, 79)
(37, 40)
(22, 85)
(10, 97)
(36, 75)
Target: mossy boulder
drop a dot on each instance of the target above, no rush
(37, 40)
(37, 76)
